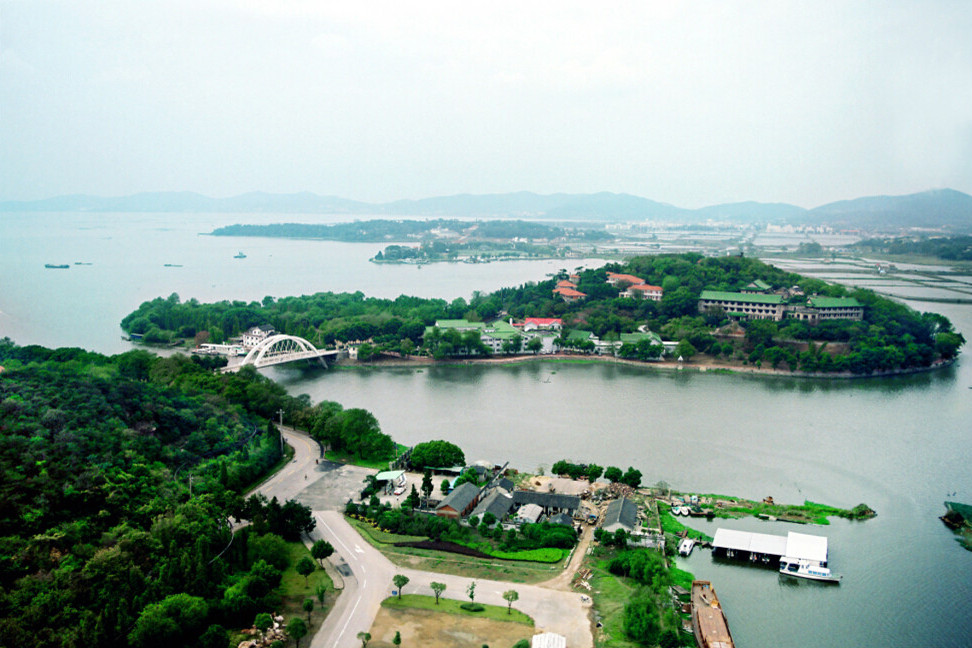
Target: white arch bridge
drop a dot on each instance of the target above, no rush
(280, 349)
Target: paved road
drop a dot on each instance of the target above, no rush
(368, 574)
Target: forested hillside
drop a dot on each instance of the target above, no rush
(101, 543)
(891, 336)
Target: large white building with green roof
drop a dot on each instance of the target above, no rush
(741, 305)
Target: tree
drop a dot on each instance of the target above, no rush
(510, 596)
(437, 589)
(427, 485)
(214, 637)
(436, 454)
(412, 501)
(471, 591)
(297, 629)
(397, 639)
(305, 567)
(321, 551)
(308, 608)
(534, 345)
(320, 591)
(365, 637)
(170, 621)
(400, 580)
(263, 622)
(488, 519)
(593, 472)
(444, 486)
(631, 477)
(684, 350)
(613, 474)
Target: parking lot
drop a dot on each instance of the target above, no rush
(335, 485)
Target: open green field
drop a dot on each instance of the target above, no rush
(452, 606)
(449, 563)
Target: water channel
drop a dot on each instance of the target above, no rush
(899, 444)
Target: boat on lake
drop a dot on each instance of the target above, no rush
(57, 266)
(239, 255)
(808, 570)
(708, 620)
(685, 546)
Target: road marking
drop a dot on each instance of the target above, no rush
(358, 549)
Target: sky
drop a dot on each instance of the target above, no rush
(690, 103)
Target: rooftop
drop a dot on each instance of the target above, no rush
(833, 302)
(719, 295)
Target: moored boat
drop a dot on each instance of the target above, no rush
(708, 620)
(57, 266)
(239, 255)
(808, 570)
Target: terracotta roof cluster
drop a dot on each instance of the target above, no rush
(568, 293)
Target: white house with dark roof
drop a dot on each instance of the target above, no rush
(255, 335)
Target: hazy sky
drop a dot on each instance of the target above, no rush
(692, 103)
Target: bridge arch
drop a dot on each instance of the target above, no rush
(277, 349)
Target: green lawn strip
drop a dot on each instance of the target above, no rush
(444, 562)
(451, 606)
(378, 537)
(610, 594)
(808, 512)
(294, 589)
(542, 555)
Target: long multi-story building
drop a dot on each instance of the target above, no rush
(741, 305)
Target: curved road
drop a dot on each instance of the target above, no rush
(368, 574)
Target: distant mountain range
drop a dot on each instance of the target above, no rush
(940, 208)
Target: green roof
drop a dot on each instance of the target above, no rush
(458, 324)
(833, 302)
(634, 338)
(759, 284)
(578, 334)
(718, 295)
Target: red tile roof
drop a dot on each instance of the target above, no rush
(563, 283)
(569, 292)
(544, 321)
(631, 279)
(646, 288)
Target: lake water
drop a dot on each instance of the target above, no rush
(900, 445)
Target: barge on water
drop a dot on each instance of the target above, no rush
(708, 620)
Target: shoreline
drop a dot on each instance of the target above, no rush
(707, 367)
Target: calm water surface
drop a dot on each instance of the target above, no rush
(900, 445)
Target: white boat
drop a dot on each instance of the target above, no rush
(685, 546)
(805, 569)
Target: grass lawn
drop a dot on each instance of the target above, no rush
(442, 562)
(610, 594)
(451, 606)
(294, 589)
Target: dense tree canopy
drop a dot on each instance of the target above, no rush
(101, 541)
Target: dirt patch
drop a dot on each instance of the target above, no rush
(442, 545)
(439, 630)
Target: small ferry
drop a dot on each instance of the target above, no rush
(239, 255)
(685, 546)
(57, 266)
(708, 620)
(804, 569)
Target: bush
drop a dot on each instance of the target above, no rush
(472, 607)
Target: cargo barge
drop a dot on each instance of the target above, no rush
(708, 620)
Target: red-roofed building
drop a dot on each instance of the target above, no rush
(644, 291)
(614, 279)
(543, 323)
(569, 295)
(563, 283)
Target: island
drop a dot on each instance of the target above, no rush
(723, 313)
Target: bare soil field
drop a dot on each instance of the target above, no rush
(439, 630)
